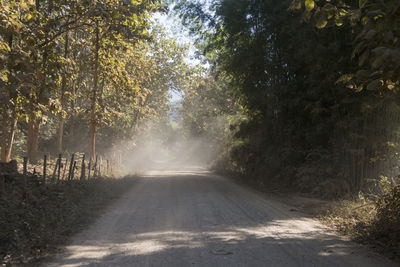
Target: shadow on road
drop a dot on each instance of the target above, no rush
(197, 218)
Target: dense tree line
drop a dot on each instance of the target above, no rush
(298, 91)
(71, 68)
(314, 85)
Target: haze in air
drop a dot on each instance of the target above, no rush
(199, 132)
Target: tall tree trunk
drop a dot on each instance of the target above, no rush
(73, 101)
(73, 117)
(94, 96)
(31, 115)
(36, 128)
(60, 132)
(4, 120)
(29, 136)
(7, 144)
(62, 100)
(13, 128)
(33, 135)
(34, 122)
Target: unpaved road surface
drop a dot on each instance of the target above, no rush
(197, 218)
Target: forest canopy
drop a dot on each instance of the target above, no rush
(72, 71)
(314, 84)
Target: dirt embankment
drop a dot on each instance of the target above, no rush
(36, 219)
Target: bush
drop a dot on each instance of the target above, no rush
(374, 221)
(386, 226)
(388, 207)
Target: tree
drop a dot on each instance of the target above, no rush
(109, 22)
(14, 64)
(39, 82)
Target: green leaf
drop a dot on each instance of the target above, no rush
(321, 24)
(330, 10)
(309, 5)
(320, 19)
(338, 21)
(342, 12)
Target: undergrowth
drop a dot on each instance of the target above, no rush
(374, 221)
(35, 220)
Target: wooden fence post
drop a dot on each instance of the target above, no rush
(25, 166)
(89, 166)
(73, 170)
(71, 165)
(44, 168)
(108, 166)
(55, 170)
(25, 170)
(100, 163)
(83, 168)
(95, 167)
(65, 167)
(59, 167)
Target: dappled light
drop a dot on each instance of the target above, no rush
(201, 218)
(211, 242)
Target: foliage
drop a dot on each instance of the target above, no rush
(282, 75)
(388, 212)
(373, 221)
(303, 128)
(103, 64)
(375, 41)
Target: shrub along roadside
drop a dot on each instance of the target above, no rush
(375, 222)
(36, 220)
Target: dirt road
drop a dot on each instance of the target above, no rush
(197, 218)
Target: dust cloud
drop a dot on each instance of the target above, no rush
(154, 150)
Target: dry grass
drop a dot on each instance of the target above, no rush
(34, 221)
(349, 217)
(375, 223)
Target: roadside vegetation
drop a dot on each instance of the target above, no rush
(38, 219)
(311, 89)
(374, 223)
